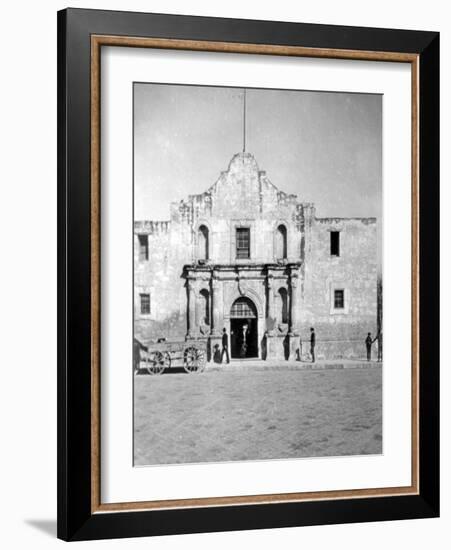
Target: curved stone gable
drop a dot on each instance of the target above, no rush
(243, 187)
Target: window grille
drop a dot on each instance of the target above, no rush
(243, 241)
(243, 309)
(339, 299)
(143, 247)
(145, 304)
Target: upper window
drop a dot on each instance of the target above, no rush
(339, 299)
(243, 243)
(281, 242)
(335, 243)
(143, 247)
(145, 304)
(202, 242)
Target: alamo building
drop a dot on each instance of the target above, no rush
(244, 255)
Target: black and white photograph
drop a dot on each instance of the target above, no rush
(257, 274)
(225, 260)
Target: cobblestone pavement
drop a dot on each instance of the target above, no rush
(250, 414)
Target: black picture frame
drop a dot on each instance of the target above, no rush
(76, 519)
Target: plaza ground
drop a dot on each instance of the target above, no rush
(244, 412)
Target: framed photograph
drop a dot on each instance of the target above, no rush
(248, 274)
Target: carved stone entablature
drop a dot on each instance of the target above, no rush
(147, 227)
(242, 272)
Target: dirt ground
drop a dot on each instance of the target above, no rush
(223, 416)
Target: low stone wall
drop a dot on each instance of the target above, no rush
(336, 349)
(285, 347)
(280, 347)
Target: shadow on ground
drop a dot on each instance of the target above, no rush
(46, 526)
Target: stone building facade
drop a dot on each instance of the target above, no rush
(250, 258)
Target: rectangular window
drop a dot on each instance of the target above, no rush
(145, 304)
(243, 243)
(335, 243)
(143, 247)
(339, 299)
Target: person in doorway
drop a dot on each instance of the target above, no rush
(243, 346)
(369, 342)
(225, 346)
(312, 343)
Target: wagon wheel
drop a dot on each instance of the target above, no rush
(194, 359)
(157, 362)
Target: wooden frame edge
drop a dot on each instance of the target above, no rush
(95, 276)
(415, 269)
(249, 48)
(230, 47)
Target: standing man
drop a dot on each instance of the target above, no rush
(312, 343)
(368, 343)
(225, 346)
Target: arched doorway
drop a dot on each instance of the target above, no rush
(243, 329)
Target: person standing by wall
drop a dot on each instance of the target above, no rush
(369, 342)
(312, 343)
(225, 346)
(379, 346)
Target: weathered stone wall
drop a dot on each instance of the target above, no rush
(161, 277)
(340, 333)
(243, 196)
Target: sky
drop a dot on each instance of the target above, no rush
(325, 147)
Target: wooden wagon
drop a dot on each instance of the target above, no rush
(160, 356)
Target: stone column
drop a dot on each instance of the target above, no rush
(190, 284)
(293, 304)
(214, 305)
(271, 312)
